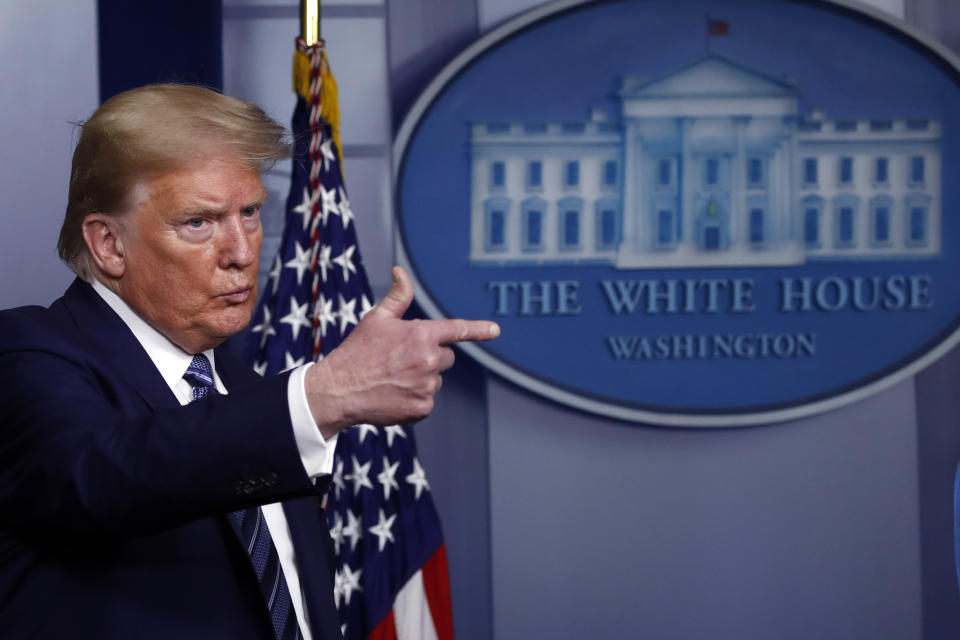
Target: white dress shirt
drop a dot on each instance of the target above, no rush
(315, 452)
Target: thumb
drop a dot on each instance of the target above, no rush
(399, 297)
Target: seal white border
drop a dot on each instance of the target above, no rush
(609, 409)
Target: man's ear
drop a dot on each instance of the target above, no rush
(103, 236)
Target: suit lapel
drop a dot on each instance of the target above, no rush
(311, 544)
(116, 345)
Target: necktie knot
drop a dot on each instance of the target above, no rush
(200, 376)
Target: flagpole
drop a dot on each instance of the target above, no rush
(706, 38)
(310, 21)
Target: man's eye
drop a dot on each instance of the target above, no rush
(250, 211)
(196, 223)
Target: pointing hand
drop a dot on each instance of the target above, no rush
(388, 369)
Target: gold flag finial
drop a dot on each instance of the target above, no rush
(310, 21)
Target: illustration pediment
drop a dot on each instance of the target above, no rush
(713, 75)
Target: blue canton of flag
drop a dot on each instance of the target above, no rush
(391, 560)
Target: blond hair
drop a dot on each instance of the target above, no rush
(151, 130)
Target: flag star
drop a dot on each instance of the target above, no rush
(359, 475)
(418, 478)
(266, 326)
(301, 262)
(365, 306)
(382, 530)
(386, 477)
(345, 211)
(345, 260)
(326, 150)
(329, 203)
(364, 430)
(290, 363)
(336, 533)
(353, 530)
(337, 479)
(343, 629)
(347, 314)
(323, 261)
(393, 431)
(337, 587)
(260, 367)
(297, 317)
(305, 208)
(350, 583)
(325, 314)
(275, 272)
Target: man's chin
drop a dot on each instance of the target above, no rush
(223, 329)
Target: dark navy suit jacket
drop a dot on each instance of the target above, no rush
(112, 495)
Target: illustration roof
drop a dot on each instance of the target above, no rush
(713, 75)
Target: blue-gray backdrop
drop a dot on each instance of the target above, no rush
(558, 524)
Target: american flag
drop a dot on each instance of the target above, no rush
(717, 27)
(391, 579)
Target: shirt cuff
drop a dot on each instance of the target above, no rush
(316, 453)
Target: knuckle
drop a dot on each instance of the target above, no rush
(431, 361)
(448, 359)
(425, 387)
(425, 406)
(420, 362)
(462, 330)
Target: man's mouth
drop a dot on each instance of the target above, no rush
(238, 295)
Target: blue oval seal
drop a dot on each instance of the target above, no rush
(691, 214)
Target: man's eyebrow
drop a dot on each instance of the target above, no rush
(200, 210)
(259, 200)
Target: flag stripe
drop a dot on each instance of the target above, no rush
(436, 585)
(411, 611)
(386, 630)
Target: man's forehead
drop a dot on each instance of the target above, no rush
(202, 183)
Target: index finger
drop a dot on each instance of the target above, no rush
(450, 331)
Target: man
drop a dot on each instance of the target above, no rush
(134, 453)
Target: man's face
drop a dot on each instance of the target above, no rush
(191, 245)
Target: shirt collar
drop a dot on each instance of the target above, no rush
(169, 359)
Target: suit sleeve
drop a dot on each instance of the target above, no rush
(79, 453)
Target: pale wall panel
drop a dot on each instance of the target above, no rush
(49, 79)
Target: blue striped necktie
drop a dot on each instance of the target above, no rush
(254, 533)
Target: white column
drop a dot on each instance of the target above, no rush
(776, 205)
(787, 192)
(738, 203)
(685, 176)
(628, 206)
(641, 200)
(792, 184)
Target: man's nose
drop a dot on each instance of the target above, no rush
(239, 245)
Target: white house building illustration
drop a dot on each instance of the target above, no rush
(710, 165)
